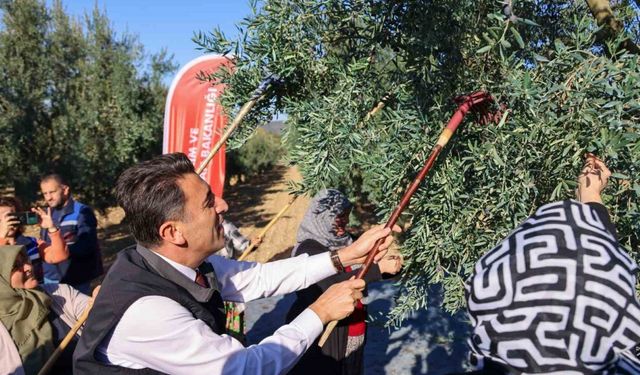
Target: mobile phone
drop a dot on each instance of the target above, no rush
(27, 217)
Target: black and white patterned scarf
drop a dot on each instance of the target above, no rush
(557, 296)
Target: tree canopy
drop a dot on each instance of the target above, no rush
(568, 91)
(75, 98)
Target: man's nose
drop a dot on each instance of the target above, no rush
(221, 206)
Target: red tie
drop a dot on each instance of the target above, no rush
(200, 280)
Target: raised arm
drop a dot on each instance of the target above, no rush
(57, 251)
(245, 281)
(592, 181)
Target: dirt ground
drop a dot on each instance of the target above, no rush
(253, 204)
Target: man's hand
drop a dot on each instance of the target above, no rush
(8, 222)
(46, 221)
(357, 252)
(390, 264)
(592, 180)
(338, 301)
(255, 241)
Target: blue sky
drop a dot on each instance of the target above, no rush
(167, 23)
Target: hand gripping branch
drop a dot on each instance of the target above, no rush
(479, 102)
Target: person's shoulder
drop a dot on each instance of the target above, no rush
(85, 212)
(83, 206)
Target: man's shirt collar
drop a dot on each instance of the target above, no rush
(188, 272)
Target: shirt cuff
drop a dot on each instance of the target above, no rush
(319, 267)
(309, 324)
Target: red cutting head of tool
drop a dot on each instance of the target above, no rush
(482, 105)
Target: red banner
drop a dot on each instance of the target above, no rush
(194, 119)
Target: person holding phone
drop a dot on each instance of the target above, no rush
(11, 233)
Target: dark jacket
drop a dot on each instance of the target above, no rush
(325, 360)
(77, 224)
(137, 273)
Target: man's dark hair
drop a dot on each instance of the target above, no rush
(9, 201)
(56, 177)
(150, 195)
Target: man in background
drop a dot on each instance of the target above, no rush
(77, 224)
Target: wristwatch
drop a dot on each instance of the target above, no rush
(52, 229)
(336, 260)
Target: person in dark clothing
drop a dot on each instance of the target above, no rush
(78, 226)
(558, 294)
(323, 229)
(11, 233)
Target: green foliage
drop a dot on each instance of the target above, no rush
(260, 153)
(340, 58)
(73, 99)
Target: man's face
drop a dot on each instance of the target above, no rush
(54, 194)
(202, 222)
(22, 273)
(13, 229)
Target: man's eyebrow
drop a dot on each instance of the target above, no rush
(208, 200)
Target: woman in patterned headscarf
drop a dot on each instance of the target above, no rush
(33, 319)
(558, 295)
(324, 228)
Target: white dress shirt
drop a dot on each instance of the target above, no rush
(158, 333)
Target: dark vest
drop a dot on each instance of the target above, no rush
(136, 273)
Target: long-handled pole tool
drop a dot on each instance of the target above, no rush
(284, 209)
(260, 93)
(479, 101)
(67, 339)
(381, 104)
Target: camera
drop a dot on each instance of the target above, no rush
(26, 217)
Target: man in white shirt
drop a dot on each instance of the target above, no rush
(160, 308)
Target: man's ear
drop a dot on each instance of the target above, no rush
(169, 232)
(65, 190)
